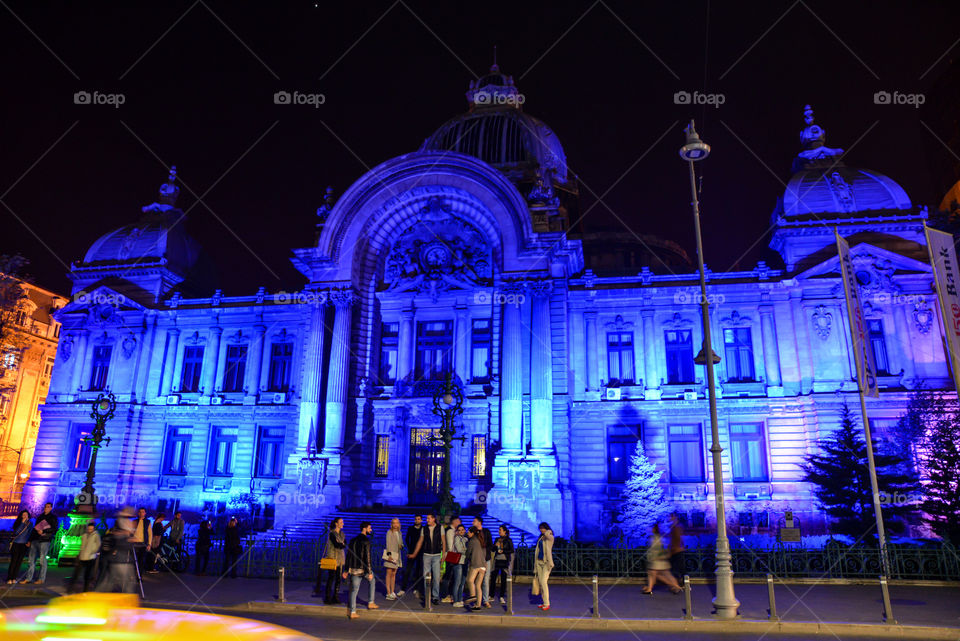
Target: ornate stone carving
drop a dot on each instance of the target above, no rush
(66, 347)
(128, 345)
(540, 288)
(735, 319)
(261, 295)
(217, 297)
(437, 253)
(196, 339)
(238, 337)
(619, 324)
(822, 321)
(342, 298)
(678, 322)
(842, 191)
(922, 317)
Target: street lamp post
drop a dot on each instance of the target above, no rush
(725, 602)
(103, 409)
(447, 404)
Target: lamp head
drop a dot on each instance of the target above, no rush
(695, 149)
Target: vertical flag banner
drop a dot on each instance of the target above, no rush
(862, 349)
(946, 275)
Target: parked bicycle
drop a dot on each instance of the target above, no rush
(172, 558)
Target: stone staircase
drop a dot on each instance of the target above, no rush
(316, 528)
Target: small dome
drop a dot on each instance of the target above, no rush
(822, 186)
(498, 132)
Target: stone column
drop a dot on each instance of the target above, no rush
(169, 360)
(255, 364)
(80, 354)
(309, 418)
(461, 336)
(511, 372)
(771, 349)
(212, 358)
(338, 375)
(541, 370)
(651, 379)
(405, 345)
(590, 350)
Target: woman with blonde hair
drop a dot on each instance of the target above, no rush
(393, 558)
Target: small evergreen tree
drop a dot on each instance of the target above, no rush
(842, 479)
(642, 501)
(933, 428)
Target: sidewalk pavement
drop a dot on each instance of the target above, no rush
(620, 605)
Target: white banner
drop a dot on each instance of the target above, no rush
(946, 275)
(862, 349)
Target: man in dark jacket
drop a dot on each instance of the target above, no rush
(431, 548)
(119, 552)
(359, 567)
(39, 543)
(413, 569)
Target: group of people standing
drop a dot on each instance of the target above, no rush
(454, 559)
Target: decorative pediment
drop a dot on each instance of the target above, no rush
(101, 305)
(437, 253)
(619, 324)
(736, 320)
(238, 337)
(874, 267)
(678, 322)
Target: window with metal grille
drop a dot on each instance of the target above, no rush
(383, 456)
(434, 348)
(478, 467)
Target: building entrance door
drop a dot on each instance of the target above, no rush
(426, 465)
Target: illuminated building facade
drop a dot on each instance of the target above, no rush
(456, 259)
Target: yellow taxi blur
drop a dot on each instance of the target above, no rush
(94, 616)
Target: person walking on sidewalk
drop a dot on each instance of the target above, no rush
(18, 546)
(202, 547)
(87, 558)
(459, 577)
(433, 548)
(359, 567)
(119, 549)
(393, 558)
(677, 564)
(488, 543)
(232, 548)
(413, 576)
(543, 565)
(333, 549)
(658, 563)
(40, 537)
(502, 562)
(446, 587)
(477, 555)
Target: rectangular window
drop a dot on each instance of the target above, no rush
(434, 349)
(738, 351)
(478, 456)
(679, 348)
(748, 454)
(223, 446)
(383, 456)
(236, 367)
(480, 332)
(389, 337)
(101, 367)
(192, 366)
(879, 345)
(176, 449)
(10, 360)
(80, 460)
(685, 445)
(281, 359)
(269, 463)
(620, 357)
(621, 445)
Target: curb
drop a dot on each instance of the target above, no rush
(743, 626)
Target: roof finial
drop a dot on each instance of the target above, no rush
(169, 190)
(808, 114)
(494, 57)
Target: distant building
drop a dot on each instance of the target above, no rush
(26, 371)
(455, 259)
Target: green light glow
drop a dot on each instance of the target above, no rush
(68, 620)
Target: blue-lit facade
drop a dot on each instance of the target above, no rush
(456, 259)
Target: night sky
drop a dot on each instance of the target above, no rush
(198, 79)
